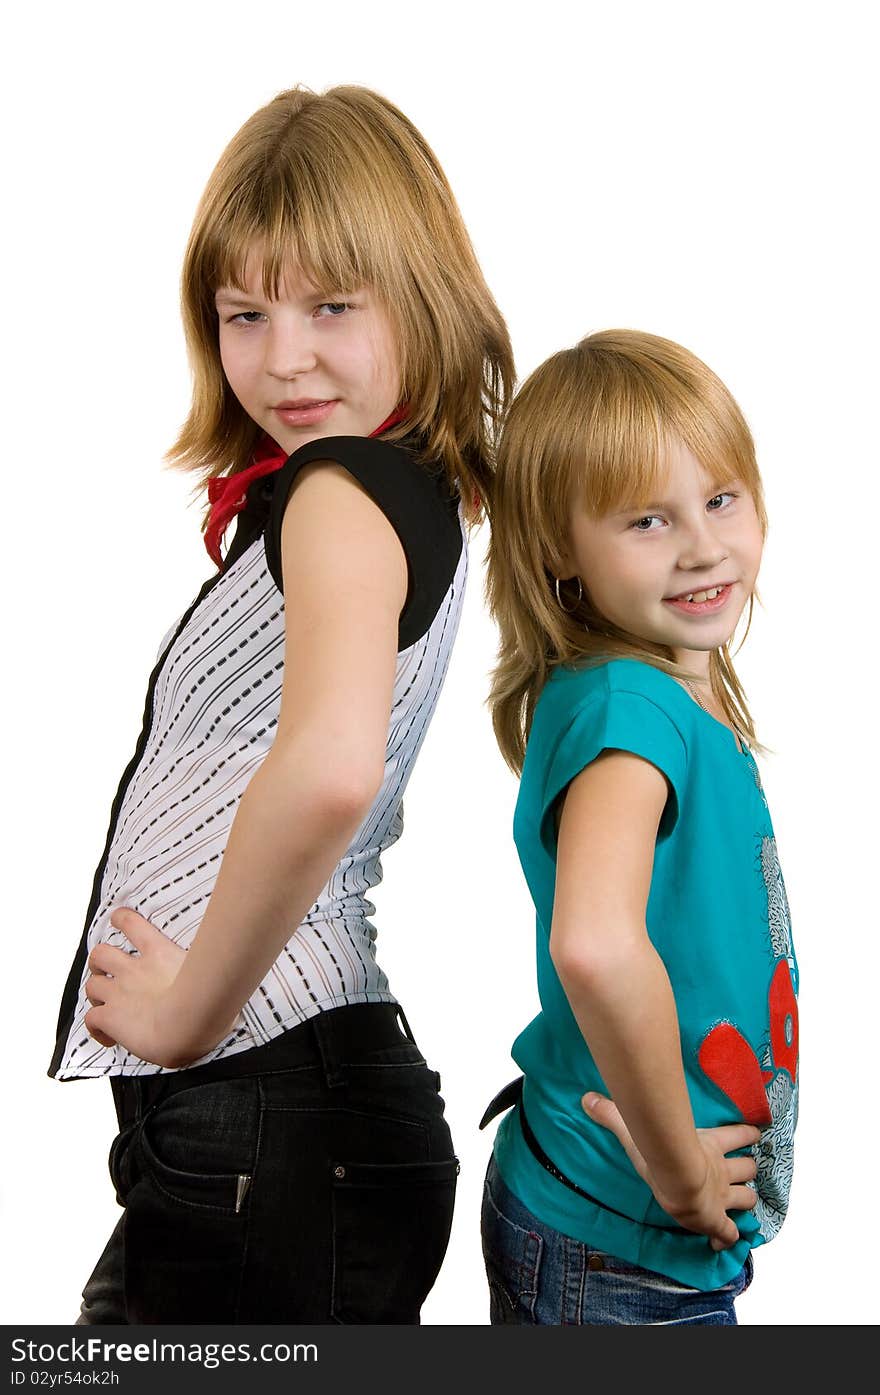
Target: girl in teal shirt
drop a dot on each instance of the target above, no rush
(627, 531)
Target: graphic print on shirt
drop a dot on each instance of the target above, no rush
(764, 1091)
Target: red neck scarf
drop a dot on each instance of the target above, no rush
(227, 494)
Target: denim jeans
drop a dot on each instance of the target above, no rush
(311, 1180)
(541, 1277)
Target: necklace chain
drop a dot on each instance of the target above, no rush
(694, 692)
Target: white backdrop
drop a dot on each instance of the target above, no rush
(699, 171)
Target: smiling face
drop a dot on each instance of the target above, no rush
(677, 572)
(303, 365)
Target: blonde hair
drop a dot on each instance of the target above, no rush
(346, 187)
(593, 423)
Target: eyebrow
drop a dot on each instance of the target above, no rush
(638, 508)
(222, 297)
(719, 487)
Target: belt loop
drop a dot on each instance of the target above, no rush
(322, 1027)
(124, 1100)
(151, 1087)
(407, 1029)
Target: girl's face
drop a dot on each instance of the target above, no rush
(303, 366)
(678, 572)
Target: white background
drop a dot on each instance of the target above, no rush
(703, 171)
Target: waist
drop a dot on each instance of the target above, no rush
(331, 1039)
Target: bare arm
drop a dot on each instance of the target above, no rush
(620, 992)
(347, 585)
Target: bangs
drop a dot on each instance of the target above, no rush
(629, 419)
(341, 212)
(312, 234)
(619, 471)
(632, 474)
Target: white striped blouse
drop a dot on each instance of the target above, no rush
(211, 715)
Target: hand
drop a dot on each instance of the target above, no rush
(130, 994)
(723, 1189)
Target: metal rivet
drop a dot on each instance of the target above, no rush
(339, 1172)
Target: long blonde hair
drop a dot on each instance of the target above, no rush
(593, 423)
(344, 184)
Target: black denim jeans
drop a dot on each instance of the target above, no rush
(311, 1180)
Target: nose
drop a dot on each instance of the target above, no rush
(701, 548)
(290, 349)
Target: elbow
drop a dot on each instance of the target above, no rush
(345, 796)
(589, 964)
(335, 788)
(574, 966)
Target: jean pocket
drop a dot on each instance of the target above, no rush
(512, 1255)
(199, 1145)
(619, 1291)
(119, 1162)
(391, 1225)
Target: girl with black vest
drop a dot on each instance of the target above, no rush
(282, 1154)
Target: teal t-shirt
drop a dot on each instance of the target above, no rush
(717, 914)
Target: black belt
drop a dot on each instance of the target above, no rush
(512, 1095)
(336, 1035)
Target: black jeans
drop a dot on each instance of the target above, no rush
(311, 1180)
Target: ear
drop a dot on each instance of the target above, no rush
(566, 566)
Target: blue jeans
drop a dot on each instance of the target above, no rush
(538, 1276)
(311, 1180)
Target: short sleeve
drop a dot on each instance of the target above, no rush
(619, 721)
(415, 499)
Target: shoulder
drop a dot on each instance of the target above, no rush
(620, 685)
(619, 705)
(401, 485)
(415, 498)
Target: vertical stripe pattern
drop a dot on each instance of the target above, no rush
(212, 720)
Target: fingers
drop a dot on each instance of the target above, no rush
(741, 1169)
(95, 989)
(739, 1199)
(92, 1021)
(136, 929)
(742, 1199)
(727, 1138)
(725, 1236)
(605, 1112)
(108, 959)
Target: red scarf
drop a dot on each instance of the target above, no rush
(227, 494)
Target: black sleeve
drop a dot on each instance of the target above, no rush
(415, 499)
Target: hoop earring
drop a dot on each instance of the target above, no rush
(568, 610)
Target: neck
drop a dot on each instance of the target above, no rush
(695, 661)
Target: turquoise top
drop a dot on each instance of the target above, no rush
(717, 915)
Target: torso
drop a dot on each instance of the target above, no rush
(717, 915)
(211, 715)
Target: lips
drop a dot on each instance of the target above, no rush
(706, 606)
(305, 411)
